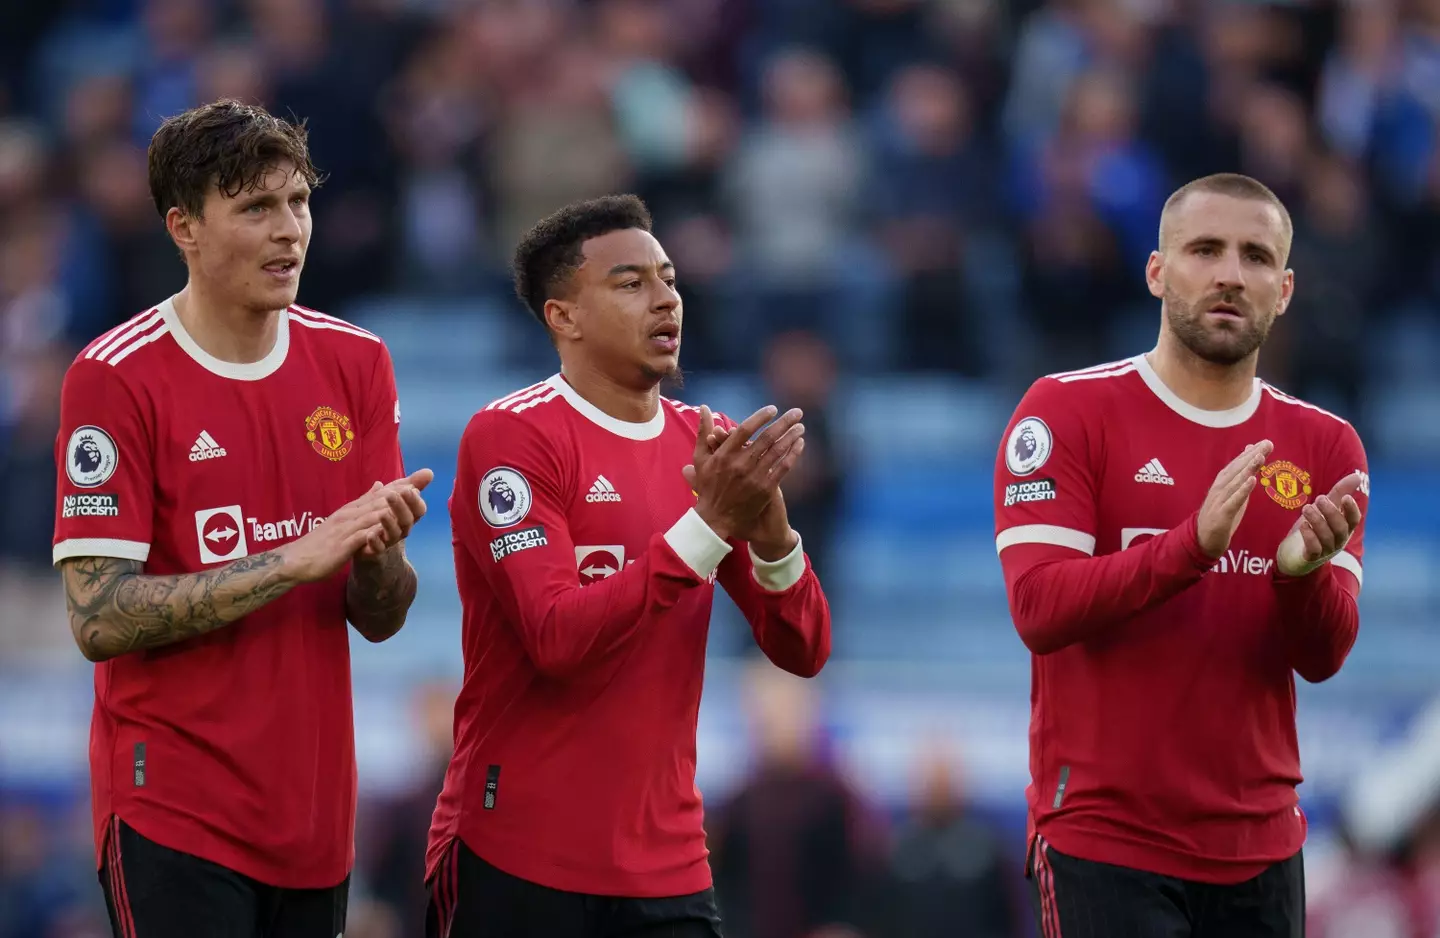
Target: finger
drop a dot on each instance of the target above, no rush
(771, 457)
(1334, 517)
(690, 479)
(777, 429)
(1352, 511)
(1346, 487)
(1314, 550)
(419, 479)
(749, 428)
(416, 503)
(1250, 459)
(1320, 526)
(1234, 504)
(707, 426)
(400, 508)
(787, 462)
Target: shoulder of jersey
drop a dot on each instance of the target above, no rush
(127, 342)
(1086, 384)
(331, 330)
(1304, 410)
(540, 402)
(690, 413)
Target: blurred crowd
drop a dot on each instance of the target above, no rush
(851, 186)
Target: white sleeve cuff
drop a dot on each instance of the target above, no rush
(777, 576)
(100, 547)
(696, 543)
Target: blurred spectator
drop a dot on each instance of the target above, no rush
(800, 371)
(931, 187)
(393, 865)
(1391, 886)
(793, 193)
(789, 851)
(951, 877)
(1336, 254)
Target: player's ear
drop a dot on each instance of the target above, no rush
(181, 227)
(1155, 274)
(560, 316)
(1287, 293)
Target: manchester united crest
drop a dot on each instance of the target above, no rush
(329, 433)
(1286, 483)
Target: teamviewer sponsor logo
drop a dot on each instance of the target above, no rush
(513, 542)
(99, 505)
(1039, 490)
(1242, 561)
(222, 534)
(286, 530)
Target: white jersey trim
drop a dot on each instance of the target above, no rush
(696, 543)
(647, 430)
(303, 319)
(113, 340)
(1045, 534)
(1348, 561)
(1284, 398)
(777, 576)
(1093, 370)
(138, 551)
(1206, 418)
(236, 371)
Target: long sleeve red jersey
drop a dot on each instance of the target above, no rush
(587, 580)
(1162, 732)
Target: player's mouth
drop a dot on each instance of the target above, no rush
(666, 338)
(1226, 311)
(283, 269)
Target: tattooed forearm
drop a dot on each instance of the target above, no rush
(379, 593)
(115, 609)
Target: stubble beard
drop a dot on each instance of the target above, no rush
(1219, 345)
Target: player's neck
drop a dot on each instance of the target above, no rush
(228, 332)
(1200, 383)
(630, 404)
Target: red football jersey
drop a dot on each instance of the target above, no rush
(1162, 732)
(587, 580)
(237, 746)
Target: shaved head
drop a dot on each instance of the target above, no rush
(1237, 187)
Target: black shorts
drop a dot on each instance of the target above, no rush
(469, 898)
(155, 892)
(1082, 899)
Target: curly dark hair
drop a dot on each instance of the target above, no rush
(551, 252)
(226, 145)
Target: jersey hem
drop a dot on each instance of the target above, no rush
(1161, 861)
(206, 846)
(692, 878)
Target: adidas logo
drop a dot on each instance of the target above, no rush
(205, 448)
(1152, 471)
(602, 491)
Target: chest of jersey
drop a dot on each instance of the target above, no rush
(1153, 482)
(622, 495)
(246, 466)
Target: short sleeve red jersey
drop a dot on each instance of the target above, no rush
(236, 746)
(586, 580)
(1162, 729)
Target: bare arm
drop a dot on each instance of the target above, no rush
(116, 609)
(379, 592)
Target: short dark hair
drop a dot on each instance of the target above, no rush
(226, 145)
(1237, 186)
(550, 253)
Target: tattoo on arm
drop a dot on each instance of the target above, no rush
(116, 609)
(379, 593)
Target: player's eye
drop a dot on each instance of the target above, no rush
(630, 285)
(670, 282)
(299, 200)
